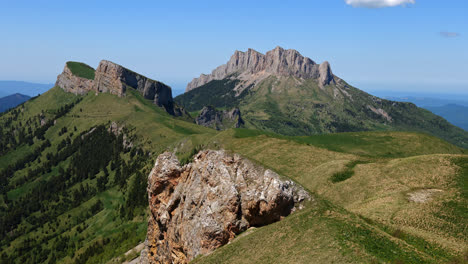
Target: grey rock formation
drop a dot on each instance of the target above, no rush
(203, 205)
(73, 84)
(115, 79)
(252, 66)
(120, 130)
(219, 120)
(325, 74)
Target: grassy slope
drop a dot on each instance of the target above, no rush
(361, 219)
(292, 106)
(81, 70)
(150, 127)
(366, 217)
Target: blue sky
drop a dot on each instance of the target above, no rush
(420, 46)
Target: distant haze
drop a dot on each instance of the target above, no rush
(27, 88)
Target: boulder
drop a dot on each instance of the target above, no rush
(203, 205)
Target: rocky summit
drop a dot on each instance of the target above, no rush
(73, 83)
(203, 205)
(286, 93)
(252, 67)
(112, 78)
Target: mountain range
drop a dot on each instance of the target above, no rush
(455, 114)
(286, 93)
(245, 167)
(11, 101)
(26, 88)
(454, 111)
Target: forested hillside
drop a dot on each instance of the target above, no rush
(73, 175)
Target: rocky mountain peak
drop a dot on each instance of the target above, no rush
(252, 66)
(110, 77)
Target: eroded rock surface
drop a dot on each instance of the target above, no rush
(72, 83)
(219, 120)
(112, 78)
(201, 206)
(252, 67)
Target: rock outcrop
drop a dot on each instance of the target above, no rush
(252, 66)
(72, 83)
(120, 130)
(201, 206)
(112, 78)
(219, 120)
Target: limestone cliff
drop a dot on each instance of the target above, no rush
(219, 120)
(72, 83)
(112, 78)
(203, 205)
(252, 67)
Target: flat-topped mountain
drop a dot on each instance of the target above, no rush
(287, 93)
(252, 67)
(109, 77)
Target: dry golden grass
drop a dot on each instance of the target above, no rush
(303, 163)
(378, 190)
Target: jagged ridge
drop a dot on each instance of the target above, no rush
(285, 93)
(253, 66)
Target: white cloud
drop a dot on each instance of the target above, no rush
(447, 34)
(378, 3)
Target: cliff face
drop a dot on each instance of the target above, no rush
(72, 83)
(112, 78)
(252, 67)
(219, 120)
(201, 206)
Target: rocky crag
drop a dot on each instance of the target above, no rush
(112, 78)
(219, 120)
(286, 93)
(252, 67)
(72, 83)
(203, 205)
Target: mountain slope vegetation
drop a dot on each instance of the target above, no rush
(295, 107)
(284, 92)
(455, 114)
(73, 189)
(366, 217)
(73, 173)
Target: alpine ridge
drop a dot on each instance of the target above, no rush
(109, 77)
(253, 67)
(289, 94)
